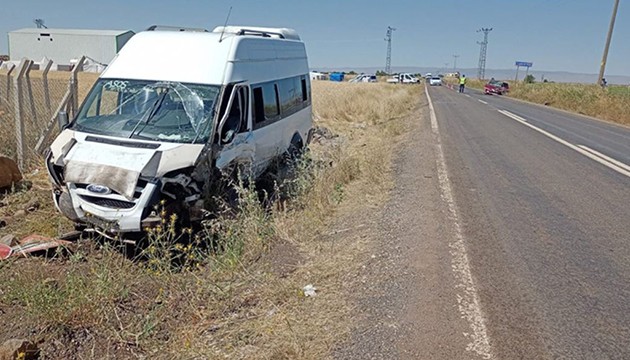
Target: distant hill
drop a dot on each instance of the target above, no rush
(503, 74)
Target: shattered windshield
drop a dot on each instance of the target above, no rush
(151, 110)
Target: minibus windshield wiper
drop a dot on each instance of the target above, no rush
(149, 114)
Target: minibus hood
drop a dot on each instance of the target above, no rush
(118, 163)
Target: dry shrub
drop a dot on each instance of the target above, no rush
(612, 104)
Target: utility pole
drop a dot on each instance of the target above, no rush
(481, 72)
(602, 68)
(455, 62)
(388, 61)
(40, 23)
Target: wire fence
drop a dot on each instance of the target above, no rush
(30, 99)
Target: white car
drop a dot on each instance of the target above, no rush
(435, 81)
(369, 78)
(404, 78)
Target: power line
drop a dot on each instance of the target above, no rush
(602, 67)
(388, 60)
(481, 72)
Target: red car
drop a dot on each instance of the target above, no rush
(496, 87)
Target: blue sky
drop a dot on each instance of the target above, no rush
(556, 35)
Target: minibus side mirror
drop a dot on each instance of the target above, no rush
(62, 120)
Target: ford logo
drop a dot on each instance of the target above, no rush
(98, 189)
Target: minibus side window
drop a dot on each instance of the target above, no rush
(289, 97)
(270, 97)
(244, 95)
(277, 99)
(304, 90)
(258, 105)
(265, 104)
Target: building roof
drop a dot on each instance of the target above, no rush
(79, 32)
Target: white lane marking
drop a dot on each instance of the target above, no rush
(600, 158)
(467, 95)
(481, 101)
(513, 116)
(467, 298)
(605, 157)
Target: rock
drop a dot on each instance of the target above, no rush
(9, 240)
(9, 172)
(321, 132)
(50, 282)
(18, 349)
(19, 214)
(32, 205)
(4, 221)
(310, 290)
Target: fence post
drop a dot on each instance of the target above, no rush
(50, 126)
(74, 85)
(19, 124)
(29, 90)
(65, 104)
(1, 62)
(46, 88)
(11, 68)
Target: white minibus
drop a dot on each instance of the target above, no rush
(175, 108)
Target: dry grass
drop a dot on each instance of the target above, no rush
(45, 221)
(228, 301)
(612, 104)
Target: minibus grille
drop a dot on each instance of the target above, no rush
(140, 185)
(109, 203)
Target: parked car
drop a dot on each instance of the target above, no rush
(369, 78)
(496, 87)
(404, 78)
(435, 81)
(152, 135)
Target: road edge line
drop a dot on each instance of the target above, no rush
(586, 153)
(605, 157)
(467, 297)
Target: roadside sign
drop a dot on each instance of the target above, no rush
(524, 64)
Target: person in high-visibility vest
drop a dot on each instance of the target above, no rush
(462, 83)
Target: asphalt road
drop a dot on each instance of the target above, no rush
(543, 197)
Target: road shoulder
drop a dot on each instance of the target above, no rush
(406, 294)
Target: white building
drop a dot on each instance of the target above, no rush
(63, 45)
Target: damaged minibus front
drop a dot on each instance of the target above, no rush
(133, 145)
